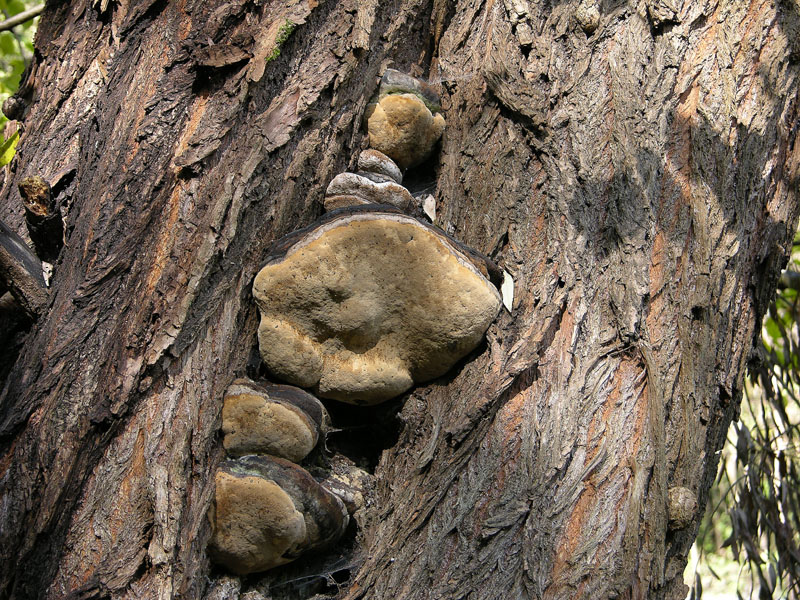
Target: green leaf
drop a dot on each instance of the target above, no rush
(8, 149)
(773, 331)
(8, 45)
(15, 7)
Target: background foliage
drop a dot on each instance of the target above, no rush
(754, 512)
(16, 47)
(16, 52)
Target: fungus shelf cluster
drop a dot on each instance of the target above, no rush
(268, 510)
(358, 307)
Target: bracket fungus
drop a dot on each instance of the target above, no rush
(358, 307)
(404, 121)
(588, 16)
(350, 483)
(367, 301)
(280, 420)
(377, 163)
(267, 512)
(353, 189)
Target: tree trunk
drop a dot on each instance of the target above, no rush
(633, 166)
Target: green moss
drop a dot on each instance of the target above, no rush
(284, 33)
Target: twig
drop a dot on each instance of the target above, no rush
(20, 18)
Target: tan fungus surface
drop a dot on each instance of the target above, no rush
(363, 308)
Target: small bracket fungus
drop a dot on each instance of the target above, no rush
(268, 512)
(280, 420)
(353, 189)
(45, 225)
(372, 161)
(350, 483)
(404, 121)
(682, 506)
(367, 301)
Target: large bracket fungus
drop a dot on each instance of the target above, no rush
(357, 307)
(368, 301)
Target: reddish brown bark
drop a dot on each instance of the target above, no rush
(638, 180)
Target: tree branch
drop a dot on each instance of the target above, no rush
(21, 272)
(26, 15)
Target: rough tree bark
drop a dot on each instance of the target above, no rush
(633, 164)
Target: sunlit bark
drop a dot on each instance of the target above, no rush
(633, 166)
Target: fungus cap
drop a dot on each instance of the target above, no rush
(256, 524)
(682, 506)
(373, 161)
(403, 127)
(368, 301)
(395, 82)
(351, 484)
(366, 191)
(404, 120)
(267, 512)
(280, 420)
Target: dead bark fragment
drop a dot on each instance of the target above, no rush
(42, 217)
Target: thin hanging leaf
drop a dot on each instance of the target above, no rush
(8, 149)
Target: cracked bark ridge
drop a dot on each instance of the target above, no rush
(170, 200)
(605, 173)
(21, 273)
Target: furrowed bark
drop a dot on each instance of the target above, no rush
(623, 202)
(638, 180)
